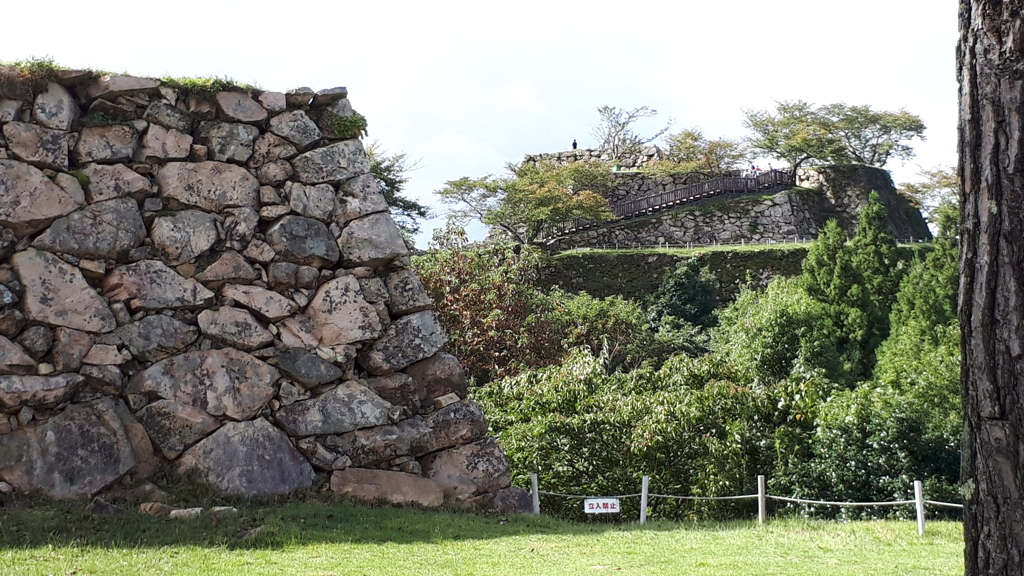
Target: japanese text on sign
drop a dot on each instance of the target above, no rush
(601, 505)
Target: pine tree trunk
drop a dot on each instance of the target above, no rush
(991, 74)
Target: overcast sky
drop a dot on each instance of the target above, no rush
(465, 87)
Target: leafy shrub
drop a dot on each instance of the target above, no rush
(687, 293)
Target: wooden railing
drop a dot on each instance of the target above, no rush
(682, 195)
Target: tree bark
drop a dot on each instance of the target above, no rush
(990, 69)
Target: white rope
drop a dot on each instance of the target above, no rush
(703, 497)
(581, 496)
(827, 503)
(947, 504)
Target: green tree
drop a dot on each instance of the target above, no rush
(689, 151)
(616, 134)
(857, 282)
(799, 133)
(939, 186)
(390, 171)
(533, 198)
(686, 293)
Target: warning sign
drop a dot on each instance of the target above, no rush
(601, 505)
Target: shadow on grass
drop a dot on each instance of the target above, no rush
(268, 524)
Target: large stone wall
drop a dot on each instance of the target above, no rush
(791, 215)
(213, 286)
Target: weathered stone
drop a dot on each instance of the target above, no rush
(157, 337)
(447, 399)
(227, 459)
(174, 426)
(406, 293)
(103, 355)
(298, 331)
(9, 110)
(107, 144)
(329, 96)
(311, 201)
(200, 108)
(329, 124)
(12, 321)
(168, 117)
(346, 407)
(69, 348)
(239, 226)
(270, 148)
(122, 110)
(409, 339)
(299, 97)
(55, 108)
(160, 144)
(439, 375)
(71, 186)
(6, 296)
(303, 241)
(271, 213)
(373, 289)
(56, 293)
(108, 229)
(511, 500)
(274, 173)
(76, 453)
(37, 341)
(273, 101)
(259, 251)
(331, 164)
(182, 236)
(296, 127)
(371, 446)
(107, 182)
(229, 267)
(227, 141)
(151, 285)
(29, 201)
(282, 275)
(400, 390)
(320, 457)
(341, 315)
(239, 107)
(393, 487)
(107, 380)
(372, 240)
(224, 382)
(468, 470)
(110, 86)
(211, 186)
(307, 368)
(454, 425)
(15, 361)
(28, 390)
(37, 145)
(267, 304)
(185, 513)
(234, 327)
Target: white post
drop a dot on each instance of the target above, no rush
(762, 500)
(919, 504)
(643, 498)
(536, 495)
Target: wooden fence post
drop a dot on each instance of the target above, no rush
(643, 498)
(762, 500)
(919, 504)
(536, 495)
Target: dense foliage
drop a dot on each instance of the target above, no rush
(525, 205)
(787, 386)
(801, 133)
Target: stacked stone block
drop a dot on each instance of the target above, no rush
(214, 286)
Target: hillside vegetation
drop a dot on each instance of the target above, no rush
(835, 374)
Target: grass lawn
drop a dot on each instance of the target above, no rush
(321, 539)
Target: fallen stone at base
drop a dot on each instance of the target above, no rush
(392, 487)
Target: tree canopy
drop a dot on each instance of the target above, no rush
(800, 133)
(533, 198)
(688, 150)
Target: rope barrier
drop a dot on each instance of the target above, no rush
(851, 504)
(741, 497)
(946, 504)
(581, 496)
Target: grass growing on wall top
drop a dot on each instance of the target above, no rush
(339, 539)
(205, 87)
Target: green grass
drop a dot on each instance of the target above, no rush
(205, 87)
(337, 538)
